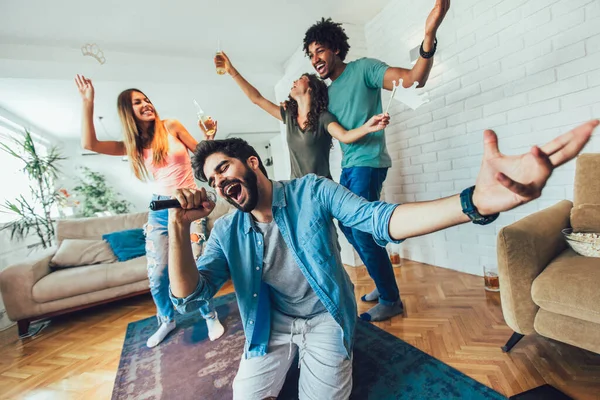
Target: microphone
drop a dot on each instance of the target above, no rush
(157, 205)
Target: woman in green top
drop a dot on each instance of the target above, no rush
(309, 125)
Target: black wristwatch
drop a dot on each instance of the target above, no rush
(466, 201)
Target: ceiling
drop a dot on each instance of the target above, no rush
(163, 48)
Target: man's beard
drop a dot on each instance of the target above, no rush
(251, 184)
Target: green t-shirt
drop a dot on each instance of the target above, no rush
(309, 150)
(354, 97)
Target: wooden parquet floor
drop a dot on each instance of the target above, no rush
(448, 315)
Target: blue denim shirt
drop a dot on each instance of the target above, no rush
(303, 210)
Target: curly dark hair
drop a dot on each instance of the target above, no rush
(234, 148)
(329, 34)
(319, 100)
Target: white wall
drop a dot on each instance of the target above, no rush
(118, 175)
(529, 69)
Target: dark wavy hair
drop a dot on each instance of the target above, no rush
(329, 34)
(234, 148)
(319, 100)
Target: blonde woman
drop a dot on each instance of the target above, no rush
(159, 149)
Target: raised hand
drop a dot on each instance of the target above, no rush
(195, 204)
(377, 122)
(228, 66)
(436, 16)
(505, 182)
(85, 87)
(211, 126)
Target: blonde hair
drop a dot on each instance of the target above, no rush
(134, 144)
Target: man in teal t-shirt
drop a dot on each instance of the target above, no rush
(355, 95)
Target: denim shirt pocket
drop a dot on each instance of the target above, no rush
(315, 242)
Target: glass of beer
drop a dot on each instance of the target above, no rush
(490, 278)
(219, 60)
(206, 121)
(208, 124)
(394, 253)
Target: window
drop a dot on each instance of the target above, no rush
(13, 181)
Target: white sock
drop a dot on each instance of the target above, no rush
(215, 329)
(160, 334)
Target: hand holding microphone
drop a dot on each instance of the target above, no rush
(157, 205)
(188, 205)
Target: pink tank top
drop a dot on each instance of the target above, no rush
(175, 173)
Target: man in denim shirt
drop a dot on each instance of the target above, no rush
(297, 216)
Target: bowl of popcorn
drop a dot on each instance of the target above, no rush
(586, 244)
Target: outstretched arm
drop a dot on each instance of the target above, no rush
(374, 124)
(420, 71)
(503, 183)
(250, 91)
(89, 141)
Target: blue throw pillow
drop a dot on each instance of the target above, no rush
(127, 244)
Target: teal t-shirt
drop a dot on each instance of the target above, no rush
(354, 97)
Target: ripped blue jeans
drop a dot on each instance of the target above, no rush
(157, 254)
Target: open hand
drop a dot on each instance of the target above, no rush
(86, 89)
(505, 182)
(377, 122)
(195, 204)
(436, 16)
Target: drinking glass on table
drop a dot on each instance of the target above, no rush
(490, 278)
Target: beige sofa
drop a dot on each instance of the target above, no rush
(546, 287)
(32, 290)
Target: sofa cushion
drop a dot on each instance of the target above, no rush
(70, 282)
(127, 244)
(569, 286)
(134, 270)
(574, 331)
(95, 227)
(586, 218)
(78, 252)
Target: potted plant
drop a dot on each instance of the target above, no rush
(33, 213)
(97, 196)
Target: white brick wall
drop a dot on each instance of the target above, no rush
(529, 69)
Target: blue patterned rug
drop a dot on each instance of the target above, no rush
(189, 366)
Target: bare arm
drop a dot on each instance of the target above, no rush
(182, 134)
(420, 71)
(416, 219)
(186, 278)
(250, 91)
(183, 274)
(89, 141)
(376, 123)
